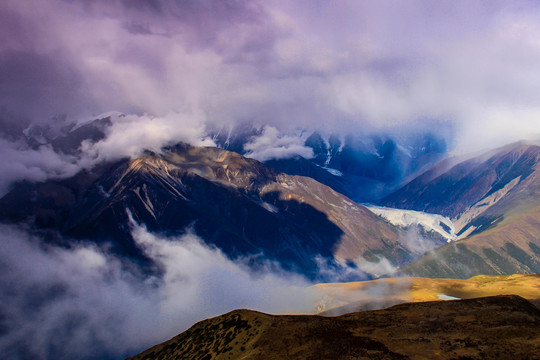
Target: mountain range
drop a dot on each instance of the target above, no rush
(458, 218)
(428, 217)
(237, 204)
(492, 200)
(362, 167)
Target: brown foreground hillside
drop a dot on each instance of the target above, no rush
(500, 327)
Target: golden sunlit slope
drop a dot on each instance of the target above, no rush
(341, 298)
(484, 328)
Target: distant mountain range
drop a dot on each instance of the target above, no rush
(362, 167)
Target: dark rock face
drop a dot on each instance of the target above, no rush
(234, 203)
(483, 328)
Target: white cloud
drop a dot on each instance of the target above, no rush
(358, 269)
(83, 303)
(130, 135)
(345, 67)
(273, 145)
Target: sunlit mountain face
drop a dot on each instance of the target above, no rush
(164, 161)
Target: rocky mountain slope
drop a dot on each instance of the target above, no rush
(234, 203)
(468, 189)
(493, 202)
(482, 328)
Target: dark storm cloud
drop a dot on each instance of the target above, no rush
(139, 28)
(199, 23)
(84, 57)
(155, 6)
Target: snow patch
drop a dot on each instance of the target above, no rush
(405, 218)
(447, 297)
(404, 150)
(87, 120)
(269, 207)
(334, 172)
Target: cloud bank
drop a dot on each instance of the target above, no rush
(336, 66)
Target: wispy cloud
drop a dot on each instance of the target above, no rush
(18, 162)
(81, 302)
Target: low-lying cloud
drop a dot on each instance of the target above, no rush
(130, 135)
(127, 136)
(19, 162)
(339, 270)
(82, 302)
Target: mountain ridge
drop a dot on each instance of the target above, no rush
(493, 202)
(237, 204)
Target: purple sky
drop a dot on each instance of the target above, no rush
(333, 65)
